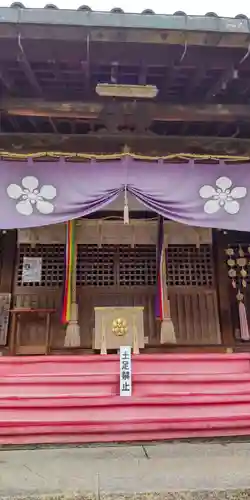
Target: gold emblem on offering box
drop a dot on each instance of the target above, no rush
(119, 327)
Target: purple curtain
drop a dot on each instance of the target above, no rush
(207, 195)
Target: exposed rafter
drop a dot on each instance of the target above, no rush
(112, 143)
(194, 82)
(53, 125)
(157, 111)
(142, 77)
(5, 79)
(221, 83)
(25, 65)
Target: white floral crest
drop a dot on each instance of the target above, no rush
(29, 196)
(223, 195)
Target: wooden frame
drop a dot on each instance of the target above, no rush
(37, 349)
(184, 301)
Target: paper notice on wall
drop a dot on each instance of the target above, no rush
(125, 371)
(32, 270)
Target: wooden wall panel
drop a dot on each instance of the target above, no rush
(121, 275)
(195, 315)
(5, 302)
(90, 298)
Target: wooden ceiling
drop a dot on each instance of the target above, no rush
(48, 98)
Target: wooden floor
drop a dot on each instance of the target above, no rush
(243, 347)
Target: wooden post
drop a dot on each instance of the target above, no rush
(222, 282)
(8, 243)
(168, 335)
(135, 338)
(8, 257)
(103, 341)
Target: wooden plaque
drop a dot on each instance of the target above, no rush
(5, 299)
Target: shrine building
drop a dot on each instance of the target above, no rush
(125, 186)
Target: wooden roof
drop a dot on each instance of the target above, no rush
(201, 29)
(52, 59)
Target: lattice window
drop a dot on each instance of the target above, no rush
(137, 266)
(189, 265)
(53, 264)
(96, 265)
(116, 265)
(121, 265)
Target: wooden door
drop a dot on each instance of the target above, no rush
(121, 275)
(30, 330)
(116, 275)
(193, 296)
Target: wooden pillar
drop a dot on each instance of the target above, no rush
(8, 243)
(223, 292)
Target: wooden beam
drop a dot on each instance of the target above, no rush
(157, 111)
(30, 75)
(221, 83)
(111, 143)
(195, 81)
(53, 126)
(5, 79)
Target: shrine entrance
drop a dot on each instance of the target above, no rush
(112, 274)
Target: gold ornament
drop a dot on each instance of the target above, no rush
(237, 269)
(243, 273)
(241, 252)
(119, 327)
(242, 261)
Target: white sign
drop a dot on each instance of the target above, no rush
(125, 371)
(32, 270)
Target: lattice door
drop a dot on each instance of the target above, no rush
(116, 275)
(53, 265)
(190, 266)
(137, 266)
(114, 265)
(96, 265)
(193, 297)
(129, 276)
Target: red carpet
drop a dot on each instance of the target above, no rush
(69, 399)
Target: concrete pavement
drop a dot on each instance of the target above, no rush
(96, 471)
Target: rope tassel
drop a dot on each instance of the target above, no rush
(70, 308)
(244, 331)
(126, 209)
(162, 305)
